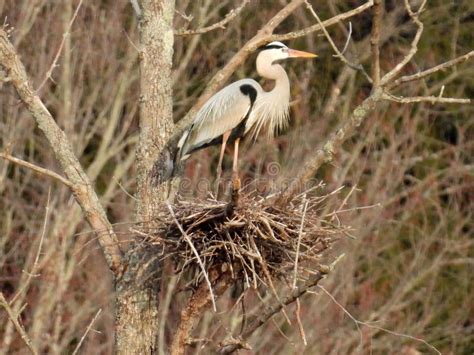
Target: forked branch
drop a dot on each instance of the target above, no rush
(294, 295)
(218, 25)
(81, 186)
(379, 93)
(197, 304)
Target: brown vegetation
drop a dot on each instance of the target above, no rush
(396, 145)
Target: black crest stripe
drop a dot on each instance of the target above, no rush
(273, 46)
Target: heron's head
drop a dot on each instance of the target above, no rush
(275, 52)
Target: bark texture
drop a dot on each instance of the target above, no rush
(136, 301)
(156, 108)
(136, 309)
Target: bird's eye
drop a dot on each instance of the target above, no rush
(284, 50)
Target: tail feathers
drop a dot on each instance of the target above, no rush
(182, 147)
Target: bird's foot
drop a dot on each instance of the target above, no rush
(235, 182)
(234, 194)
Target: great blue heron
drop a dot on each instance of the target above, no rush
(243, 107)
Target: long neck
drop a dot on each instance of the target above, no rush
(271, 110)
(266, 69)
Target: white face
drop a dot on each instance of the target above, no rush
(276, 51)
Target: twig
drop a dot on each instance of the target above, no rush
(348, 40)
(329, 22)
(14, 319)
(326, 153)
(197, 303)
(275, 308)
(300, 234)
(188, 240)
(358, 322)
(123, 188)
(36, 168)
(221, 24)
(61, 45)
(375, 42)
(430, 99)
(298, 320)
(338, 54)
(81, 186)
(387, 78)
(425, 73)
(76, 350)
(38, 252)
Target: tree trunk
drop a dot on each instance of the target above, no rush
(156, 106)
(136, 309)
(136, 301)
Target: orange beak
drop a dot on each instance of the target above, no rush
(293, 53)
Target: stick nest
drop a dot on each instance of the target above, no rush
(256, 241)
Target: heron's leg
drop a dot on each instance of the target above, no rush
(225, 137)
(235, 173)
(235, 165)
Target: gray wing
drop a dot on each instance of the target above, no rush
(220, 114)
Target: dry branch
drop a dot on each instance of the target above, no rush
(338, 54)
(375, 41)
(76, 350)
(60, 48)
(81, 187)
(380, 92)
(36, 168)
(430, 99)
(14, 319)
(435, 69)
(317, 27)
(326, 153)
(387, 78)
(218, 25)
(274, 309)
(197, 304)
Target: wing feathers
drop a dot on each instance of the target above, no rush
(220, 114)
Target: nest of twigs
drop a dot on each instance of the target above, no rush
(256, 241)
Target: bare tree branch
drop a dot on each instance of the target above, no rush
(197, 303)
(275, 308)
(430, 99)
(36, 168)
(375, 42)
(201, 264)
(81, 187)
(414, 44)
(425, 73)
(221, 24)
(329, 22)
(61, 45)
(14, 319)
(326, 153)
(333, 45)
(76, 350)
(32, 272)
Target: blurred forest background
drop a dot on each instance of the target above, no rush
(407, 174)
